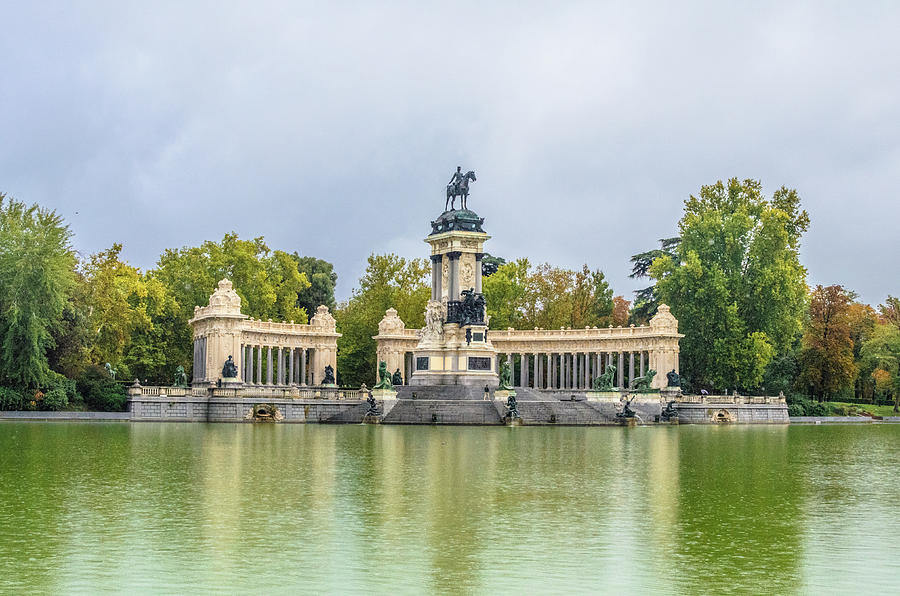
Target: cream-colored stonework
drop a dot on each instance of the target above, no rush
(658, 342)
(264, 352)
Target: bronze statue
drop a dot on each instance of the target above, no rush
(674, 379)
(458, 187)
(472, 307)
(180, 377)
(512, 407)
(605, 381)
(669, 412)
(229, 371)
(505, 377)
(643, 383)
(384, 377)
(110, 370)
(373, 406)
(626, 412)
(329, 375)
(398, 378)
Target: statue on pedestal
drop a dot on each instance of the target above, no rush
(669, 412)
(398, 378)
(329, 375)
(458, 187)
(229, 371)
(505, 377)
(605, 381)
(643, 383)
(674, 379)
(180, 379)
(384, 377)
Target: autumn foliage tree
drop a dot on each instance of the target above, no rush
(826, 359)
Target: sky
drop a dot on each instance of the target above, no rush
(332, 128)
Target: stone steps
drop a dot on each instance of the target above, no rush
(439, 411)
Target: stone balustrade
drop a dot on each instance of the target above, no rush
(254, 392)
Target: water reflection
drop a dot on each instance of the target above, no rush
(175, 508)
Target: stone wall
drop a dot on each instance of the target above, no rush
(213, 409)
(735, 413)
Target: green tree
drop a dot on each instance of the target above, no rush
(504, 294)
(735, 282)
(881, 353)
(645, 299)
(322, 281)
(389, 282)
(117, 305)
(37, 278)
(826, 359)
(490, 264)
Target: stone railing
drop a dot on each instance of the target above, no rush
(730, 399)
(586, 333)
(264, 392)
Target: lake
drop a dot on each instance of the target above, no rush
(277, 508)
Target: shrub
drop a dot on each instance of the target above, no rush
(99, 391)
(11, 399)
(55, 399)
(796, 410)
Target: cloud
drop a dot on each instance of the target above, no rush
(332, 128)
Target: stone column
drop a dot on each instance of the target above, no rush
(575, 370)
(436, 276)
(551, 368)
(642, 363)
(268, 365)
(537, 359)
(454, 274)
(509, 363)
(523, 370)
(631, 369)
(303, 378)
(290, 366)
(259, 365)
(567, 367)
(478, 257)
(621, 371)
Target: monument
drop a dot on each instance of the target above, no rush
(453, 348)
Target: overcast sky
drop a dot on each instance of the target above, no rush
(332, 128)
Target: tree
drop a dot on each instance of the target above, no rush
(890, 311)
(117, 306)
(504, 294)
(620, 311)
(37, 278)
(862, 320)
(735, 282)
(389, 282)
(490, 264)
(322, 281)
(645, 300)
(826, 359)
(881, 353)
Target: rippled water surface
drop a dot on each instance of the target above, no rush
(87, 507)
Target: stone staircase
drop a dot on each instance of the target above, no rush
(442, 411)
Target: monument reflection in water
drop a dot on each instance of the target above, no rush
(178, 508)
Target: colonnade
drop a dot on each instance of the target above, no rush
(276, 365)
(573, 370)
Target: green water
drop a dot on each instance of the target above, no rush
(87, 507)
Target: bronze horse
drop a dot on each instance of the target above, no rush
(459, 189)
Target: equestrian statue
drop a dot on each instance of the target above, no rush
(458, 187)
